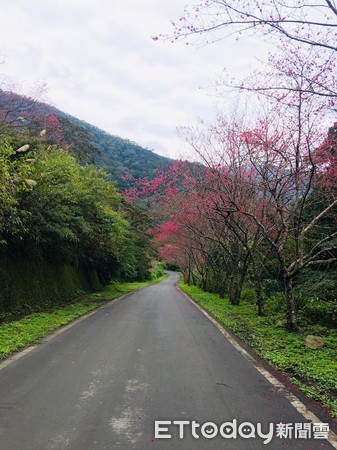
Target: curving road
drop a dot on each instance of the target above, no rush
(103, 382)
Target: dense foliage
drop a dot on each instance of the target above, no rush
(124, 160)
(66, 212)
(60, 213)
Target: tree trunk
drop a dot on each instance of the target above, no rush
(222, 286)
(237, 280)
(222, 281)
(258, 289)
(217, 285)
(203, 281)
(189, 277)
(234, 292)
(290, 303)
(260, 303)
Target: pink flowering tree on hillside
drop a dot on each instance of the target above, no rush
(27, 116)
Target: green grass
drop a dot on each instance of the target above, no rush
(28, 330)
(314, 371)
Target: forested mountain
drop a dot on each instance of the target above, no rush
(118, 156)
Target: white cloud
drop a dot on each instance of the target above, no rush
(101, 65)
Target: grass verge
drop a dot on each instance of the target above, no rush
(314, 371)
(28, 330)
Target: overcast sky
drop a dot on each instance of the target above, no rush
(101, 65)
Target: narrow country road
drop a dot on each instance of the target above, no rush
(102, 383)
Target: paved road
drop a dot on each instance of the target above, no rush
(150, 356)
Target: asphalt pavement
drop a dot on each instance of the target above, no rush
(148, 357)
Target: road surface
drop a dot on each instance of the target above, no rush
(151, 356)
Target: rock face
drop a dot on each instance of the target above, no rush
(314, 342)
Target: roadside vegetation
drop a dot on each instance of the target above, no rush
(28, 330)
(64, 227)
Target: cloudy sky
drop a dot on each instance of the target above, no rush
(101, 65)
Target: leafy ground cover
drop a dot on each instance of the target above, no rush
(28, 330)
(314, 371)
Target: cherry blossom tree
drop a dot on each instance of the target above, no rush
(263, 180)
(268, 183)
(26, 117)
(312, 24)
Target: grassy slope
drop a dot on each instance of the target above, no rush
(314, 371)
(18, 334)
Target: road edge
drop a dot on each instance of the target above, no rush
(17, 354)
(278, 385)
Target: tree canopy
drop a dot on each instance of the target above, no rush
(53, 206)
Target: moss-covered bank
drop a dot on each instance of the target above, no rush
(28, 283)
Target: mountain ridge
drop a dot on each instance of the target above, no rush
(123, 159)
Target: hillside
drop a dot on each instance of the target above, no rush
(87, 142)
(118, 155)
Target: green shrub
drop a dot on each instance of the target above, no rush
(270, 287)
(315, 283)
(248, 295)
(171, 266)
(318, 311)
(276, 302)
(157, 271)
